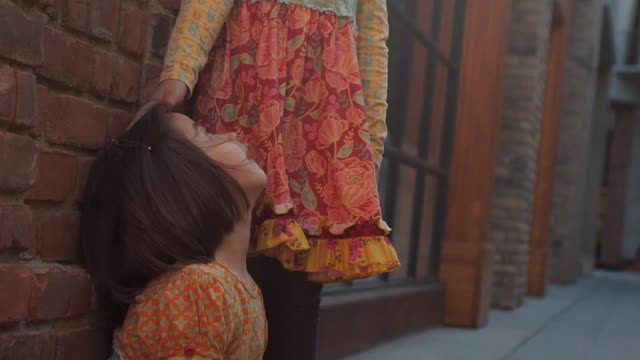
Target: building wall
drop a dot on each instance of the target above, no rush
(631, 232)
(576, 119)
(617, 184)
(621, 230)
(525, 78)
(592, 222)
(71, 72)
(581, 142)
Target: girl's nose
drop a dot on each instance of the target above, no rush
(222, 138)
(230, 136)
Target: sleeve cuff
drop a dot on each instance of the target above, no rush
(176, 74)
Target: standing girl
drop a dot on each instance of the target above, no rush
(303, 83)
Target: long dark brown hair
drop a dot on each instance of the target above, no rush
(153, 202)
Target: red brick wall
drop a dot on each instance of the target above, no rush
(71, 73)
(525, 76)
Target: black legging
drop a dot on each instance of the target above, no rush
(292, 304)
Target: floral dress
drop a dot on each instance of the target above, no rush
(304, 84)
(203, 311)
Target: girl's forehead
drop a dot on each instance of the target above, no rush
(182, 124)
(180, 119)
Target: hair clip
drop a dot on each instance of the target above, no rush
(120, 144)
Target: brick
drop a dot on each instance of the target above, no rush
(14, 304)
(8, 93)
(42, 107)
(75, 121)
(119, 122)
(28, 345)
(132, 36)
(17, 228)
(171, 4)
(58, 63)
(59, 237)
(22, 36)
(102, 76)
(17, 162)
(76, 14)
(82, 344)
(56, 179)
(125, 85)
(106, 15)
(59, 292)
(26, 99)
(523, 44)
(17, 97)
(162, 25)
(153, 72)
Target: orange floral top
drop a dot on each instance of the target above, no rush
(200, 312)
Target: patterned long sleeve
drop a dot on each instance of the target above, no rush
(373, 59)
(197, 26)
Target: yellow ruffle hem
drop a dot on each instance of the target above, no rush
(327, 259)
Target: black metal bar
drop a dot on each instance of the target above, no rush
(451, 105)
(399, 75)
(424, 39)
(398, 155)
(400, 59)
(423, 143)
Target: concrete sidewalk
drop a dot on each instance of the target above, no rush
(599, 318)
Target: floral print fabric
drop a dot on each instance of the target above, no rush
(287, 79)
(200, 22)
(200, 312)
(340, 7)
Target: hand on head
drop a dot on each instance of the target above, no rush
(171, 93)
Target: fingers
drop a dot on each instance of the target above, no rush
(143, 110)
(162, 95)
(170, 93)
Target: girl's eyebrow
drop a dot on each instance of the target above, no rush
(207, 144)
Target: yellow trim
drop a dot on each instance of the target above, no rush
(267, 238)
(327, 260)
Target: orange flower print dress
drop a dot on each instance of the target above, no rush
(298, 84)
(202, 312)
